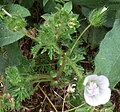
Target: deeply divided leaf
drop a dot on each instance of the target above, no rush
(13, 76)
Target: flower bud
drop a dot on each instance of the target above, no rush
(97, 16)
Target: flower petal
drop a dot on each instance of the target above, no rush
(105, 95)
(103, 81)
(90, 78)
(91, 100)
(102, 98)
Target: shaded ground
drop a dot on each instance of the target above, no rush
(115, 98)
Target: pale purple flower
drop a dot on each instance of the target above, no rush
(96, 90)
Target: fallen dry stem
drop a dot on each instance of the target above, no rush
(48, 98)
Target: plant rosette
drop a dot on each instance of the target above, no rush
(96, 91)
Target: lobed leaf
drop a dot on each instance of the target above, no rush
(35, 50)
(13, 76)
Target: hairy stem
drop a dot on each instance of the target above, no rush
(33, 38)
(79, 38)
(74, 67)
(60, 70)
(38, 77)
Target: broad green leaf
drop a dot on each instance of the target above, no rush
(8, 1)
(110, 18)
(93, 3)
(50, 6)
(68, 6)
(118, 14)
(15, 9)
(13, 53)
(46, 16)
(107, 61)
(3, 62)
(85, 11)
(96, 35)
(9, 56)
(113, 4)
(7, 36)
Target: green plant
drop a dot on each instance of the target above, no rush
(63, 40)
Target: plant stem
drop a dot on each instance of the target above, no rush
(74, 67)
(75, 108)
(59, 50)
(36, 77)
(30, 36)
(60, 70)
(80, 37)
